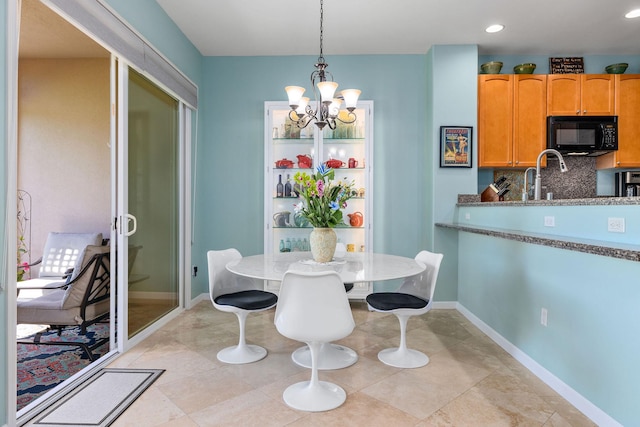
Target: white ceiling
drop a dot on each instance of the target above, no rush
(286, 27)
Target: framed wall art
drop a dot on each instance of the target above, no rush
(456, 145)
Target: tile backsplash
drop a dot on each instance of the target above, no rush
(578, 182)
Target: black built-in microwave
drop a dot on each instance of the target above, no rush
(582, 135)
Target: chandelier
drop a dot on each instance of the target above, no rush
(327, 104)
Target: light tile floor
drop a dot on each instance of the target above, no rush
(470, 380)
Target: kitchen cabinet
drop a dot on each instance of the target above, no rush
(511, 119)
(289, 150)
(495, 120)
(627, 108)
(580, 94)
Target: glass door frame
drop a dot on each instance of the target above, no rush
(186, 122)
(120, 209)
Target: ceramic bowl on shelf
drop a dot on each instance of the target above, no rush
(492, 67)
(524, 68)
(616, 68)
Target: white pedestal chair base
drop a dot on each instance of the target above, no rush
(403, 358)
(323, 396)
(237, 355)
(331, 356)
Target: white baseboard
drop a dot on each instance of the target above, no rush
(199, 298)
(445, 305)
(594, 413)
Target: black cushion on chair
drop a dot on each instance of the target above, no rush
(248, 300)
(386, 301)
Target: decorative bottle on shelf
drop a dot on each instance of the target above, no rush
(297, 189)
(287, 187)
(279, 187)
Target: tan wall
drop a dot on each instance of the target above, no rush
(63, 145)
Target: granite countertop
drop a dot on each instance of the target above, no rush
(595, 247)
(474, 200)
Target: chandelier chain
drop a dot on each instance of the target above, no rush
(321, 57)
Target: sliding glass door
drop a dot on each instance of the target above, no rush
(150, 187)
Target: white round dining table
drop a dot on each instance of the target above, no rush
(353, 267)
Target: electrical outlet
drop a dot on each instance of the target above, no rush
(549, 221)
(543, 316)
(615, 225)
(467, 216)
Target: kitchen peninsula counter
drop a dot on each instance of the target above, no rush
(474, 200)
(576, 224)
(595, 247)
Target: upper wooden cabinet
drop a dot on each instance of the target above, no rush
(511, 119)
(627, 108)
(580, 94)
(530, 119)
(495, 120)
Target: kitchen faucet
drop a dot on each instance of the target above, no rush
(563, 168)
(525, 188)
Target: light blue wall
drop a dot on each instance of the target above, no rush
(150, 20)
(452, 99)
(230, 163)
(586, 222)
(3, 131)
(592, 300)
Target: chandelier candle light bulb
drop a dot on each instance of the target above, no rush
(300, 111)
(350, 98)
(295, 94)
(327, 90)
(334, 108)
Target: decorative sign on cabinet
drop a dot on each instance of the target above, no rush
(288, 150)
(573, 65)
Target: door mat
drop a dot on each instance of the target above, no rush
(99, 401)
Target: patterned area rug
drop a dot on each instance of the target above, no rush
(42, 367)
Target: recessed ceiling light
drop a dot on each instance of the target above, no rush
(633, 14)
(494, 28)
